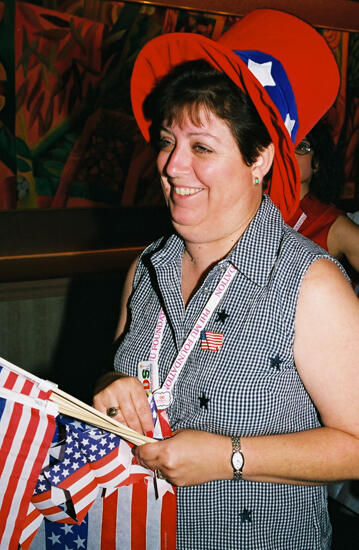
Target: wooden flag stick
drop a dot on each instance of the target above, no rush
(71, 406)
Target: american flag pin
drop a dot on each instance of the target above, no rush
(211, 340)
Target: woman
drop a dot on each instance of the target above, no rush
(239, 317)
(321, 178)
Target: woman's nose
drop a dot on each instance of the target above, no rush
(178, 162)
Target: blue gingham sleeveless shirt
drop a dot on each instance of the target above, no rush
(249, 387)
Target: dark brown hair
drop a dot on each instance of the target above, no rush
(195, 84)
(328, 167)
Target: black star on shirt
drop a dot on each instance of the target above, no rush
(246, 515)
(275, 362)
(203, 401)
(222, 316)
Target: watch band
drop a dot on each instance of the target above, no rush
(237, 459)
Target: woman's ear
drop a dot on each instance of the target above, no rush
(263, 162)
(315, 165)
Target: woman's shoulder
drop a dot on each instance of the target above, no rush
(298, 245)
(297, 253)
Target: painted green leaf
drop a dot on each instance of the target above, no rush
(22, 148)
(46, 186)
(23, 165)
(52, 167)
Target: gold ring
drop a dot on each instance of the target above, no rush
(112, 411)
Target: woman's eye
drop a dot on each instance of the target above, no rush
(201, 148)
(164, 144)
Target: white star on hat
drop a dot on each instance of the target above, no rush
(289, 123)
(262, 72)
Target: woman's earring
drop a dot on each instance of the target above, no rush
(256, 181)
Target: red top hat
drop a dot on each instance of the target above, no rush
(280, 61)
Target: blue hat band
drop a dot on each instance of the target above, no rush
(272, 76)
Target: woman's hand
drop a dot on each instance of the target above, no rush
(127, 395)
(189, 457)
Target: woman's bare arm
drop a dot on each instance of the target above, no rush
(115, 389)
(343, 239)
(126, 293)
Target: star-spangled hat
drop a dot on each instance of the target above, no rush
(279, 60)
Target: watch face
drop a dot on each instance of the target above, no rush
(237, 460)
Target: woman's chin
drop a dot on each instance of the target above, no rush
(194, 232)
(185, 218)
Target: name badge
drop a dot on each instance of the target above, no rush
(144, 374)
(163, 398)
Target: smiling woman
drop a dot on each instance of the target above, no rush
(241, 321)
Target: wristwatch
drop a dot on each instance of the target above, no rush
(237, 458)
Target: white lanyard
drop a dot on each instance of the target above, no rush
(300, 221)
(163, 395)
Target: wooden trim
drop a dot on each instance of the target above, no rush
(42, 244)
(331, 14)
(65, 264)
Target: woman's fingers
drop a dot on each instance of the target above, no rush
(189, 457)
(127, 395)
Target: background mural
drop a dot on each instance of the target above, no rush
(67, 135)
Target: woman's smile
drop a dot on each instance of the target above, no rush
(186, 191)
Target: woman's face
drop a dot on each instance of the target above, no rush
(209, 189)
(304, 156)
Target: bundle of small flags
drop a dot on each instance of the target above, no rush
(63, 478)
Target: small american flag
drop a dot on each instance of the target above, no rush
(89, 458)
(27, 426)
(211, 340)
(15, 379)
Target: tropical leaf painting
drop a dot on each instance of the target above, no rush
(67, 134)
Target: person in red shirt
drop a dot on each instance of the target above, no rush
(317, 218)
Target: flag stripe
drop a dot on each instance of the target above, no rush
(153, 522)
(138, 516)
(7, 429)
(95, 522)
(109, 522)
(124, 518)
(31, 525)
(114, 476)
(168, 521)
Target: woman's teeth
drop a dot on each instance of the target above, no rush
(186, 191)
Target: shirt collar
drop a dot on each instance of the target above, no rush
(257, 250)
(255, 253)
